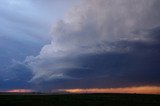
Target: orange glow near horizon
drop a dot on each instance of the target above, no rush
(138, 90)
(19, 91)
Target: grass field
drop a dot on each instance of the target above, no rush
(79, 100)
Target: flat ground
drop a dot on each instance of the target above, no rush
(79, 100)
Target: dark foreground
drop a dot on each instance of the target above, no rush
(79, 100)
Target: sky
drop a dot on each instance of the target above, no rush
(80, 46)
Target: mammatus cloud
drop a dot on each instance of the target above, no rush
(102, 40)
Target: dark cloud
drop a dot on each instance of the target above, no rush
(140, 66)
(15, 76)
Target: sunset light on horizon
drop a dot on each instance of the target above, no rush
(19, 91)
(132, 90)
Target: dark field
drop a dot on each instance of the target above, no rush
(79, 100)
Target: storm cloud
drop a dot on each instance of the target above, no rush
(102, 43)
